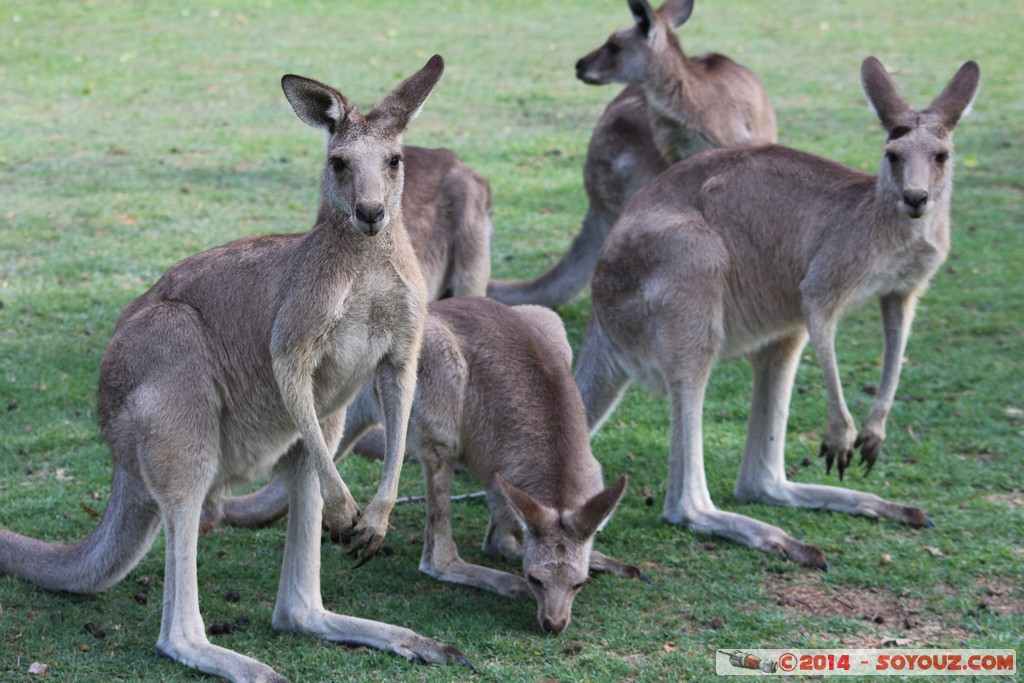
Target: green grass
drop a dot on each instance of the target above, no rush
(135, 134)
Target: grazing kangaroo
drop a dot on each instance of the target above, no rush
(744, 251)
(495, 395)
(243, 357)
(673, 107)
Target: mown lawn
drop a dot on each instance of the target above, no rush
(134, 134)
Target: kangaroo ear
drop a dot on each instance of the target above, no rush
(676, 11)
(403, 104)
(643, 15)
(316, 104)
(883, 97)
(527, 508)
(596, 511)
(957, 97)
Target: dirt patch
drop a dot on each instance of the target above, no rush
(1014, 500)
(888, 619)
(1000, 596)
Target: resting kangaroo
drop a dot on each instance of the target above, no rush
(495, 394)
(744, 251)
(243, 357)
(447, 212)
(674, 106)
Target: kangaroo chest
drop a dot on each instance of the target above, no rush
(376, 320)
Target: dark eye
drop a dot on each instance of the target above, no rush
(338, 164)
(892, 158)
(534, 581)
(613, 48)
(941, 157)
(579, 586)
(395, 161)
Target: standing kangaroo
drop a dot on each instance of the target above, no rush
(744, 251)
(243, 357)
(496, 395)
(673, 106)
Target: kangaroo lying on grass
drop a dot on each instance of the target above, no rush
(672, 107)
(744, 251)
(242, 358)
(495, 395)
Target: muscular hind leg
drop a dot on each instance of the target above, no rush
(762, 475)
(601, 379)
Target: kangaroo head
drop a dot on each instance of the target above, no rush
(627, 55)
(363, 174)
(917, 168)
(556, 547)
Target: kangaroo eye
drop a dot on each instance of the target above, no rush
(395, 161)
(338, 164)
(941, 157)
(613, 48)
(579, 586)
(534, 581)
(892, 158)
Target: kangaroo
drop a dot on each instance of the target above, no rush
(447, 212)
(672, 107)
(495, 394)
(242, 358)
(746, 251)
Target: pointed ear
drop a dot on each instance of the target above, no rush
(529, 510)
(316, 104)
(676, 11)
(596, 511)
(956, 99)
(643, 15)
(883, 97)
(403, 104)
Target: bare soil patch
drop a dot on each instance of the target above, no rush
(888, 619)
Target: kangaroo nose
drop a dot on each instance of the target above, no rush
(370, 213)
(915, 199)
(554, 626)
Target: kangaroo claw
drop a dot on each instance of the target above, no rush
(870, 446)
(842, 459)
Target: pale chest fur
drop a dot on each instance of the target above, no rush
(379, 318)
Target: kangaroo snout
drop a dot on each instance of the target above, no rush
(555, 626)
(371, 217)
(915, 202)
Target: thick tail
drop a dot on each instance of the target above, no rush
(569, 277)
(103, 558)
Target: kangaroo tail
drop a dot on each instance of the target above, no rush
(103, 558)
(567, 278)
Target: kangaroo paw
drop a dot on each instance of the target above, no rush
(870, 446)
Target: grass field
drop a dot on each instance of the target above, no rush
(134, 134)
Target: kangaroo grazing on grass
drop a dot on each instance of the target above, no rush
(242, 358)
(495, 395)
(673, 106)
(744, 251)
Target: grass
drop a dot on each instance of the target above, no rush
(136, 134)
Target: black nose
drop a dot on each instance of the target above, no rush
(370, 214)
(552, 626)
(915, 199)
